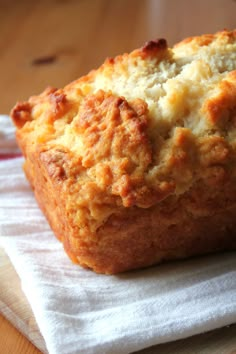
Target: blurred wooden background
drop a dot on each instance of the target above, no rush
(52, 42)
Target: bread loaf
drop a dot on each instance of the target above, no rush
(135, 163)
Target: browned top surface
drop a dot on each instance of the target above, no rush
(143, 127)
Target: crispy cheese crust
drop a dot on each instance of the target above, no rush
(135, 163)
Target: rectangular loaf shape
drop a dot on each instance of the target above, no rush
(135, 163)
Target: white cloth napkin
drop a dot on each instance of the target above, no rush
(79, 311)
(7, 137)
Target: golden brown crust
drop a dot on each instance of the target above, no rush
(21, 113)
(206, 39)
(135, 163)
(155, 48)
(221, 108)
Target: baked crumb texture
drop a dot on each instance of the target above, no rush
(135, 163)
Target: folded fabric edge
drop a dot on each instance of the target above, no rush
(24, 323)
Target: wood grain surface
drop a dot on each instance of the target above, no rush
(12, 341)
(51, 42)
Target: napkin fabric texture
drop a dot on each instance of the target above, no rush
(8, 146)
(79, 311)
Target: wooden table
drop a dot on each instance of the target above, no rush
(53, 42)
